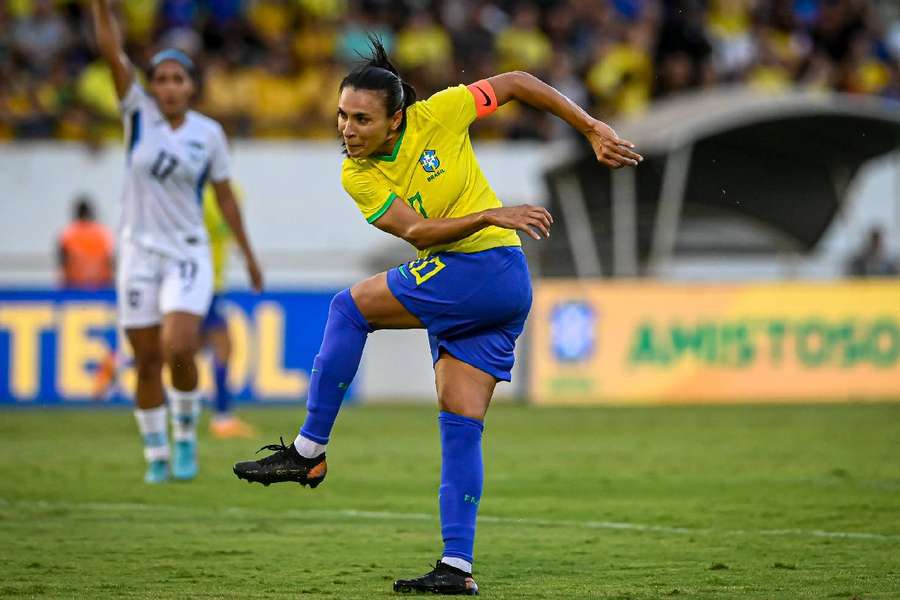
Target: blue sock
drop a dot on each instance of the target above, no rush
(335, 366)
(223, 396)
(462, 477)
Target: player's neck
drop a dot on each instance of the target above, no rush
(390, 142)
(176, 121)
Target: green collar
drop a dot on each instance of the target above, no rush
(393, 155)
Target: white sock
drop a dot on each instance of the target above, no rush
(151, 423)
(185, 413)
(307, 448)
(459, 563)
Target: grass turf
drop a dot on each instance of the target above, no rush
(699, 502)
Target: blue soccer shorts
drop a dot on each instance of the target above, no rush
(473, 305)
(215, 318)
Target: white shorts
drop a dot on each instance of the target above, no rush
(150, 284)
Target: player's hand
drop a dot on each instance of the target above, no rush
(611, 150)
(255, 274)
(533, 220)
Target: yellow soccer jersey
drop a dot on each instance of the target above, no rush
(220, 236)
(433, 168)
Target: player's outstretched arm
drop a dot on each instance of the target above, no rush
(610, 149)
(404, 222)
(232, 214)
(109, 44)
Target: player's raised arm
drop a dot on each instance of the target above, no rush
(109, 44)
(232, 215)
(610, 149)
(404, 222)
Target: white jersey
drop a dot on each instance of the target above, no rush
(166, 171)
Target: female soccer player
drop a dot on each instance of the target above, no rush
(164, 279)
(224, 424)
(412, 172)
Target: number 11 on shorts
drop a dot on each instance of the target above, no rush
(420, 268)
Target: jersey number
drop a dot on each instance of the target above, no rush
(416, 204)
(187, 271)
(163, 166)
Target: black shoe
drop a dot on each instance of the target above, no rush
(444, 579)
(285, 465)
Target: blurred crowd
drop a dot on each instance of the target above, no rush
(270, 68)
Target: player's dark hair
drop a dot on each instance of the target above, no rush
(174, 55)
(84, 209)
(379, 74)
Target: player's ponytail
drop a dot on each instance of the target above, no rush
(379, 74)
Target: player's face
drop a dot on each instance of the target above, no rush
(363, 122)
(172, 87)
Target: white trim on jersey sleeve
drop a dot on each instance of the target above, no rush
(133, 98)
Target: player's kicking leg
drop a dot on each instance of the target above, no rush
(351, 317)
(333, 369)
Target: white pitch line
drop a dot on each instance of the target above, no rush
(351, 514)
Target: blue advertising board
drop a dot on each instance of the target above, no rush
(53, 342)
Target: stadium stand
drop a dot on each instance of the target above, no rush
(268, 65)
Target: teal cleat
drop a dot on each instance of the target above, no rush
(157, 471)
(184, 467)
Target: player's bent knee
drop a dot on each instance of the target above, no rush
(222, 347)
(464, 405)
(180, 348)
(345, 310)
(180, 355)
(148, 367)
(364, 294)
(467, 410)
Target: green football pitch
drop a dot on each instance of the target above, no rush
(698, 502)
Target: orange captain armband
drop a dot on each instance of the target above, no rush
(485, 98)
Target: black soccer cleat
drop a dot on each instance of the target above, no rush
(444, 579)
(284, 465)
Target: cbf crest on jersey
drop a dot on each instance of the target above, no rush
(431, 164)
(429, 161)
